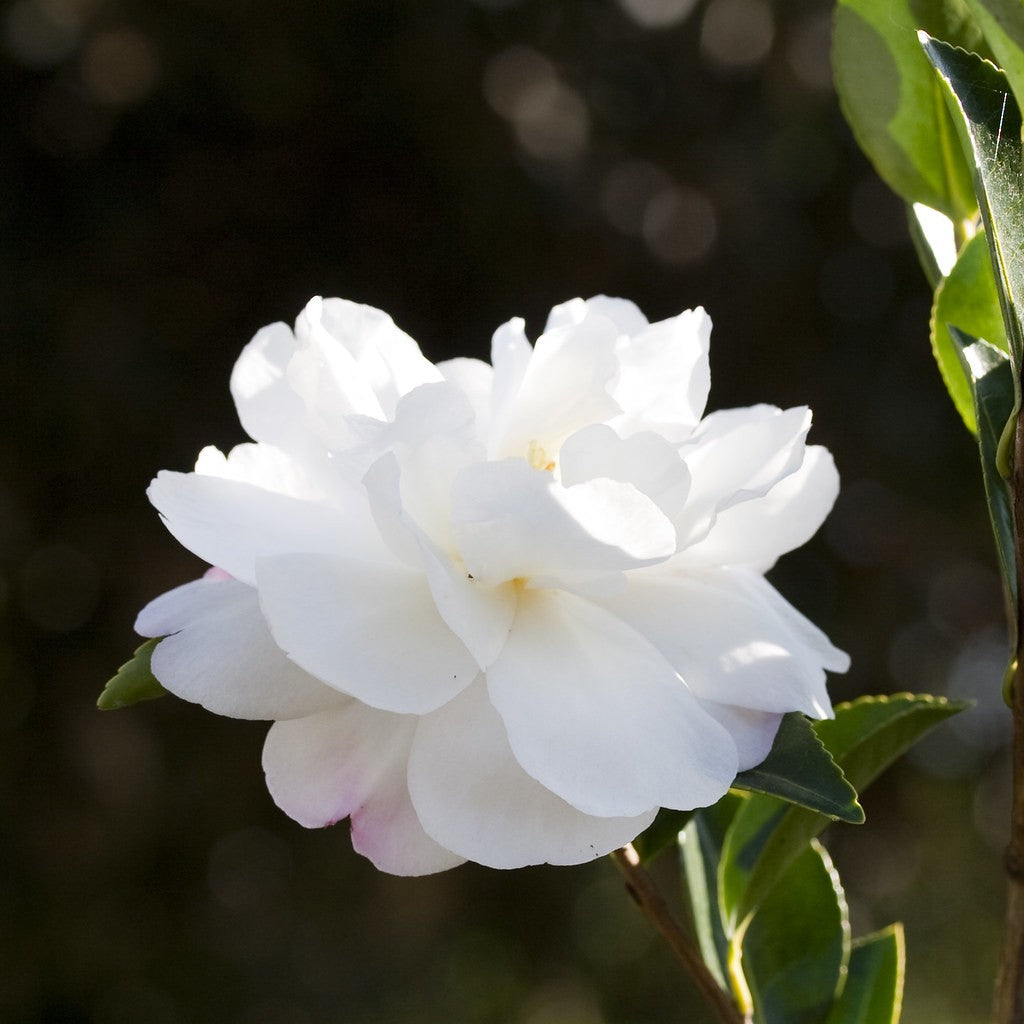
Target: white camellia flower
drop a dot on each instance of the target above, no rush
(496, 613)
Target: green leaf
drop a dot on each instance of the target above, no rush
(134, 681)
(662, 833)
(801, 771)
(1002, 23)
(873, 993)
(990, 377)
(796, 948)
(701, 842)
(891, 100)
(864, 738)
(967, 299)
(982, 95)
(750, 829)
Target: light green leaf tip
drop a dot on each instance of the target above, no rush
(134, 681)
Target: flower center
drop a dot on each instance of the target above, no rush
(538, 458)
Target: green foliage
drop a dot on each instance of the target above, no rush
(801, 771)
(1002, 24)
(795, 951)
(966, 299)
(874, 980)
(864, 738)
(768, 907)
(990, 377)
(702, 842)
(992, 118)
(662, 833)
(798, 770)
(133, 682)
(893, 102)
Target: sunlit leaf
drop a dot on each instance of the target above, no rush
(967, 299)
(801, 771)
(134, 681)
(1002, 23)
(873, 993)
(992, 117)
(892, 101)
(988, 372)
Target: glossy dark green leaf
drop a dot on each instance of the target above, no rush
(864, 738)
(133, 682)
(988, 372)
(796, 948)
(873, 993)
(801, 771)
(701, 843)
(662, 833)
(982, 95)
(966, 299)
(1002, 23)
(892, 102)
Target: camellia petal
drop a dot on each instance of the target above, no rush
(220, 654)
(564, 388)
(599, 717)
(351, 761)
(268, 408)
(472, 795)
(510, 521)
(645, 460)
(753, 732)
(231, 524)
(735, 649)
(498, 614)
(478, 614)
(371, 630)
(664, 376)
(755, 533)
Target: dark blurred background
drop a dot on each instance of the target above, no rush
(174, 176)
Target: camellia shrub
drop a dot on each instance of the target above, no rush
(516, 612)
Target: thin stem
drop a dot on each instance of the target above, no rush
(645, 894)
(1009, 1005)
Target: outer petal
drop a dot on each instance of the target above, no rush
(597, 716)
(664, 377)
(352, 761)
(370, 630)
(625, 315)
(263, 465)
(219, 653)
(753, 732)
(739, 454)
(473, 797)
(358, 359)
(757, 532)
(231, 524)
(511, 521)
(726, 640)
(268, 408)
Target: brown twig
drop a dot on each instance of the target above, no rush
(647, 897)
